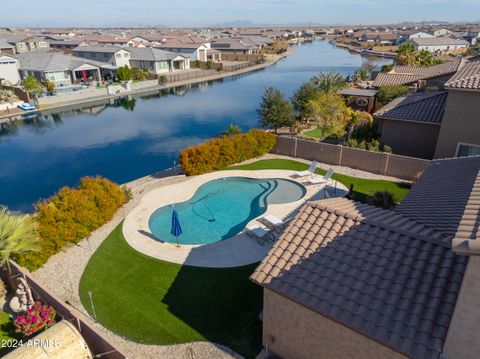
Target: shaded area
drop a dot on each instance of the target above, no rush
(156, 302)
(362, 187)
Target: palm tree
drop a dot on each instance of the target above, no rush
(18, 234)
(382, 199)
(329, 82)
(406, 54)
(357, 118)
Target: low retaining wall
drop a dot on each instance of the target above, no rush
(408, 168)
(98, 345)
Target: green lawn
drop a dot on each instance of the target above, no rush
(156, 302)
(7, 332)
(315, 133)
(362, 187)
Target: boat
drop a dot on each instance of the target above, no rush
(26, 107)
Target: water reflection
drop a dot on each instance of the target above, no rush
(127, 138)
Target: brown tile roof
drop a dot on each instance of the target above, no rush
(447, 198)
(375, 271)
(468, 77)
(420, 107)
(405, 75)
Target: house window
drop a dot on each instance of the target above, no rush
(118, 56)
(126, 54)
(105, 55)
(162, 65)
(464, 150)
(94, 54)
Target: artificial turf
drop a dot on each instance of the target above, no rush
(156, 302)
(362, 187)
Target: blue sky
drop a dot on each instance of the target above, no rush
(87, 13)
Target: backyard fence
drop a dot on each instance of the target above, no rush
(408, 168)
(97, 343)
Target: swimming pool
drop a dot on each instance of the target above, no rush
(221, 208)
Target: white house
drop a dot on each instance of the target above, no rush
(115, 56)
(420, 35)
(195, 51)
(441, 32)
(9, 69)
(437, 44)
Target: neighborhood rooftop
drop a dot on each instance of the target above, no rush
(421, 107)
(468, 77)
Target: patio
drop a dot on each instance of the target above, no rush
(233, 252)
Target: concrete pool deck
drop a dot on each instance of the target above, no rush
(233, 252)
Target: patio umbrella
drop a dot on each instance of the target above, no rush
(176, 228)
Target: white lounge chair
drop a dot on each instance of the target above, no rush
(310, 171)
(316, 180)
(260, 234)
(273, 220)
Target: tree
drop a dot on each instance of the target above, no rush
(361, 74)
(356, 118)
(387, 68)
(388, 93)
(406, 54)
(49, 86)
(232, 130)
(18, 234)
(124, 73)
(32, 86)
(329, 112)
(139, 74)
(302, 96)
(329, 82)
(275, 110)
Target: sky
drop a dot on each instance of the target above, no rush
(189, 13)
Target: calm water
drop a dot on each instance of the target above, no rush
(129, 138)
(221, 208)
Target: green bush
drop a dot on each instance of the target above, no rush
(218, 153)
(124, 73)
(372, 145)
(388, 93)
(71, 215)
(382, 199)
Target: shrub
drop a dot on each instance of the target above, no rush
(209, 64)
(372, 145)
(124, 73)
(71, 215)
(388, 93)
(382, 199)
(36, 318)
(218, 153)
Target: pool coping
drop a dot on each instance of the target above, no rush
(236, 251)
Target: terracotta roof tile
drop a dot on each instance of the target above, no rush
(375, 274)
(468, 77)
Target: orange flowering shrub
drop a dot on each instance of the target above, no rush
(73, 214)
(218, 153)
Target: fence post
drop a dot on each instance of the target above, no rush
(340, 155)
(295, 153)
(386, 163)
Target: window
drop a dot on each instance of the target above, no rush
(126, 54)
(162, 65)
(464, 150)
(94, 54)
(118, 56)
(105, 55)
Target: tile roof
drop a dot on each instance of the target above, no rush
(151, 54)
(439, 41)
(404, 75)
(420, 107)
(375, 271)
(447, 198)
(52, 61)
(468, 77)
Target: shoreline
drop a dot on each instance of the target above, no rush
(364, 52)
(271, 60)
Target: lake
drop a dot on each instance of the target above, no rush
(128, 138)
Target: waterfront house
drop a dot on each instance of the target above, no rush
(460, 131)
(24, 43)
(9, 69)
(441, 44)
(6, 48)
(61, 69)
(157, 61)
(349, 280)
(433, 76)
(473, 35)
(410, 125)
(194, 51)
(235, 46)
(436, 124)
(115, 56)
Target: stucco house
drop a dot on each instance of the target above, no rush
(9, 69)
(348, 280)
(157, 61)
(61, 69)
(460, 131)
(115, 56)
(194, 51)
(22, 43)
(440, 44)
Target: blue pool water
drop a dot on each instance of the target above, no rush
(221, 208)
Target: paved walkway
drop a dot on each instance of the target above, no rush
(233, 252)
